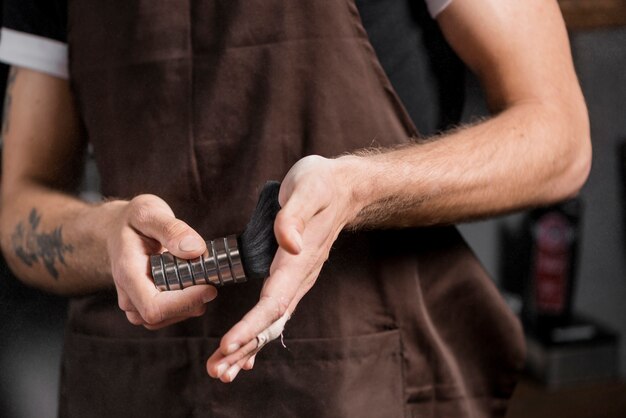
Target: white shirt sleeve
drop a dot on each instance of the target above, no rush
(34, 52)
(437, 6)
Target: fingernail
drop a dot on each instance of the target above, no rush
(297, 239)
(251, 361)
(221, 369)
(232, 348)
(190, 243)
(209, 295)
(232, 372)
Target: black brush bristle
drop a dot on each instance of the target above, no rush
(257, 243)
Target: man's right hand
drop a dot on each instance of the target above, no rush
(146, 225)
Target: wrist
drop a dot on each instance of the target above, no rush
(112, 212)
(106, 217)
(358, 175)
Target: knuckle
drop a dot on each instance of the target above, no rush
(133, 319)
(199, 311)
(174, 228)
(141, 208)
(125, 305)
(142, 214)
(152, 315)
(185, 310)
(139, 202)
(179, 309)
(311, 160)
(143, 200)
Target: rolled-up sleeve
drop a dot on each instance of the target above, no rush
(33, 35)
(437, 6)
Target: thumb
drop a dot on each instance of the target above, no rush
(152, 217)
(303, 204)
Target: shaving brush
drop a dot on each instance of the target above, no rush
(227, 260)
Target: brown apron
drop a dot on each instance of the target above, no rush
(202, 101)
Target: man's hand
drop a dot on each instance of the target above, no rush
(142, 227)
(317, 202)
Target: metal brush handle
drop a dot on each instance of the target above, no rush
(219, 265)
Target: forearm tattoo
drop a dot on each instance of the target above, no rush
(33, 246)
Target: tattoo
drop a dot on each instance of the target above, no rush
(31, 245)
(7, 101)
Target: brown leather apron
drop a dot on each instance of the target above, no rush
(201, 102)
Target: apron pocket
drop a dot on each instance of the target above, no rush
(166, 377)
(337, 377)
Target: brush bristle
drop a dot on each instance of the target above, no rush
(257, 243)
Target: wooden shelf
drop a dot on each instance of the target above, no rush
(589, 14)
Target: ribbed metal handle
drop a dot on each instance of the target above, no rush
(219, 265)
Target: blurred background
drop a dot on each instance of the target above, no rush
(577, 364)
(574, 314)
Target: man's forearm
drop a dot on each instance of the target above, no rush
(61, 244)
(527, 155)
(55, 242)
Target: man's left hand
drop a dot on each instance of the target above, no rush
(317, 201)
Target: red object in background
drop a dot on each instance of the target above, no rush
(554, 237)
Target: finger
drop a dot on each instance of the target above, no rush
(305, 201)
(249, 365)
(178, 304)
(273, 304)
(152, 217)
(124, 302)
(218, 363)
(228, 368)
(279, 291)
(233, 371)
(273, 331)
(134, 318)
(154, 306)
(198, 312)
